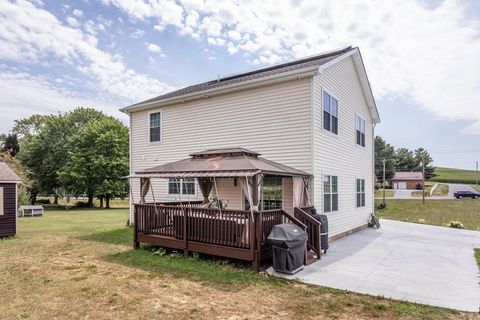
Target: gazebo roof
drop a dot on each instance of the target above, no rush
(7, 174)
(224, 162)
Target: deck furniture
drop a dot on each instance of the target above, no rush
(30, 211)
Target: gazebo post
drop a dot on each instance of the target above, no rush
(257, 223)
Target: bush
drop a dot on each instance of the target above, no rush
(421, 221)
(43, 201)
(23, 196)
(81, 204)
(456, 224)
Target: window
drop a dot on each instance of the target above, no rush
(155, 126)
(330, 193)
(1, 201)
(330, 113)
(360, 193)
(360, 125)
(271, 194)
(187, 186)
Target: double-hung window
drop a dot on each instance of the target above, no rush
(181, 186)
(330, 193)
(360, 193)
(330, 113)
(155, 127)
(360, 126)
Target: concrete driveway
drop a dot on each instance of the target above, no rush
(454, 187)
(406, 261)
(403, 194)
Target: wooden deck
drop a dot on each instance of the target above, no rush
(236, 234)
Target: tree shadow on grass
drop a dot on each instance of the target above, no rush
(122, 236)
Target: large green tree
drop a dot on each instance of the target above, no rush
(404, 160)
(422, 155)
(10, 144)
(384, 150)
(97, 160)
(45, 144)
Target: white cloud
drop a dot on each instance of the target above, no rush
(72, 21)
(77, 13)
(426, 55)
(152, 47)
(31, 35)
(137, 34)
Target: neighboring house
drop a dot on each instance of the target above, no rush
(407, 180)
(8, 201)
(315, 114)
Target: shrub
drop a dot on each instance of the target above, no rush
(23, 197)
(421, 220)
(43, 201)
(456, 224)
(81, 204)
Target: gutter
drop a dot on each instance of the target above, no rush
(285, 76)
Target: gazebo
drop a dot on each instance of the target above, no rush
(204, 226)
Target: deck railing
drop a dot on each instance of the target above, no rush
(237, 234)
(313, 230)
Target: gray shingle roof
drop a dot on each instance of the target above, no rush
(316, 60)
(7, 174)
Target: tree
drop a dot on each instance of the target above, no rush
(10, 145)
(386, 151)
(422, 155)
(404, 160)
(97, 160)
(3, 137)
(46, 141)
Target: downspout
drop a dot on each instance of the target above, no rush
(373, 168)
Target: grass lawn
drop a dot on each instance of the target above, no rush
(449, 175)
(435, 212)
(79, 264)
(440, 190)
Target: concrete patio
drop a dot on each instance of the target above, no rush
(406, 261)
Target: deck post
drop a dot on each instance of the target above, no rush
(185, 228)
(136, 244)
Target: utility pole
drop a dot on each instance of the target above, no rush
(423, 180)
(383, 184)
(477, 172)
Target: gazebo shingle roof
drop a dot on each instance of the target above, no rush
(7, 174)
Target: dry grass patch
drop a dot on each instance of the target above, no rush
(79, 264)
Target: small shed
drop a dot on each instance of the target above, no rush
(407, 180)
(8, 201)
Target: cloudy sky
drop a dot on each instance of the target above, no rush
(422, 57)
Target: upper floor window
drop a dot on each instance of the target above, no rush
(330, 193)
(186, 186)
(360, 126)
(155, 126)
(330, 113)
(360, 193)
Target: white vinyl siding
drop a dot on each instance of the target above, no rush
(338, 154)
(273, 120)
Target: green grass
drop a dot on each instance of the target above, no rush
(434, 212)
(441, 190)
(450, 175)
(477, 256)
(80, 264)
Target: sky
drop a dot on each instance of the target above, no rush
(422, 57)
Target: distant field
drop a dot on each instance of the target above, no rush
(449, 175)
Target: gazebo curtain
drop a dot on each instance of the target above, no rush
(301, 191)
(248, 189)
(205, 185)
(144, 186)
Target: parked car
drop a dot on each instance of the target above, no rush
(466, 194)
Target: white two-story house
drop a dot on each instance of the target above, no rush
(315, 114)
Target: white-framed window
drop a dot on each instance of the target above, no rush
(155, 126)
(1, 202)
(360, 129)
(330, 193)
(330, 113)
(360, 193)
(186, 186)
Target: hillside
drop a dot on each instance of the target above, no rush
(450, 175)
